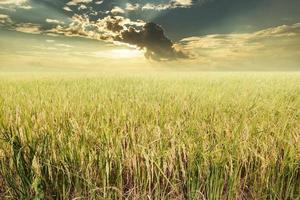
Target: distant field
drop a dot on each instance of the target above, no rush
(150, 136)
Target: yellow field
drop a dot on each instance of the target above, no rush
(150, 136)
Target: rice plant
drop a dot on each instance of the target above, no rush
(150, 136)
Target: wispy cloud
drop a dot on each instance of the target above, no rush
(28, 28)
(265, 46)
(17, 2)
(24, 4)
(67, 8)
(233, 41)
(170, 5)
(54, 21)
(76, 2)
(117, 10)
(99, 2)
(4, 19)
(64, 45)
(132, 7)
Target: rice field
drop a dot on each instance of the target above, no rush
(150, 136)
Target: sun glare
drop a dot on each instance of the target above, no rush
(125, 53)
(120, 53)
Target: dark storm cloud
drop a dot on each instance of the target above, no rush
(153, 40)
(113, 24)
(148, 37)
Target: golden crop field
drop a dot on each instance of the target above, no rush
(150, 136)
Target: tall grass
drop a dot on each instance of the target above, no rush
(157, 136)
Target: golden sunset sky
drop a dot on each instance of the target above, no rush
(156, 34)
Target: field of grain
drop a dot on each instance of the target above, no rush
(150, 136)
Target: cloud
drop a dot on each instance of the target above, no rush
(5, 19)
(113, 23)
(28, 28)
(82, 7)
(153, 40)
(76, 2)
(78, 27)
(148, 37)
(50, 41)
(232, 41)
(16, 3)
(151, 6)
(170, 5)
(67, 8)
(183, 2)
(276, 45)
(64, 45)
(102, 29)
(117, 10)
(54, 21)
(132, 7)
(98, 2)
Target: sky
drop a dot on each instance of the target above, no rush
(155, 34)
